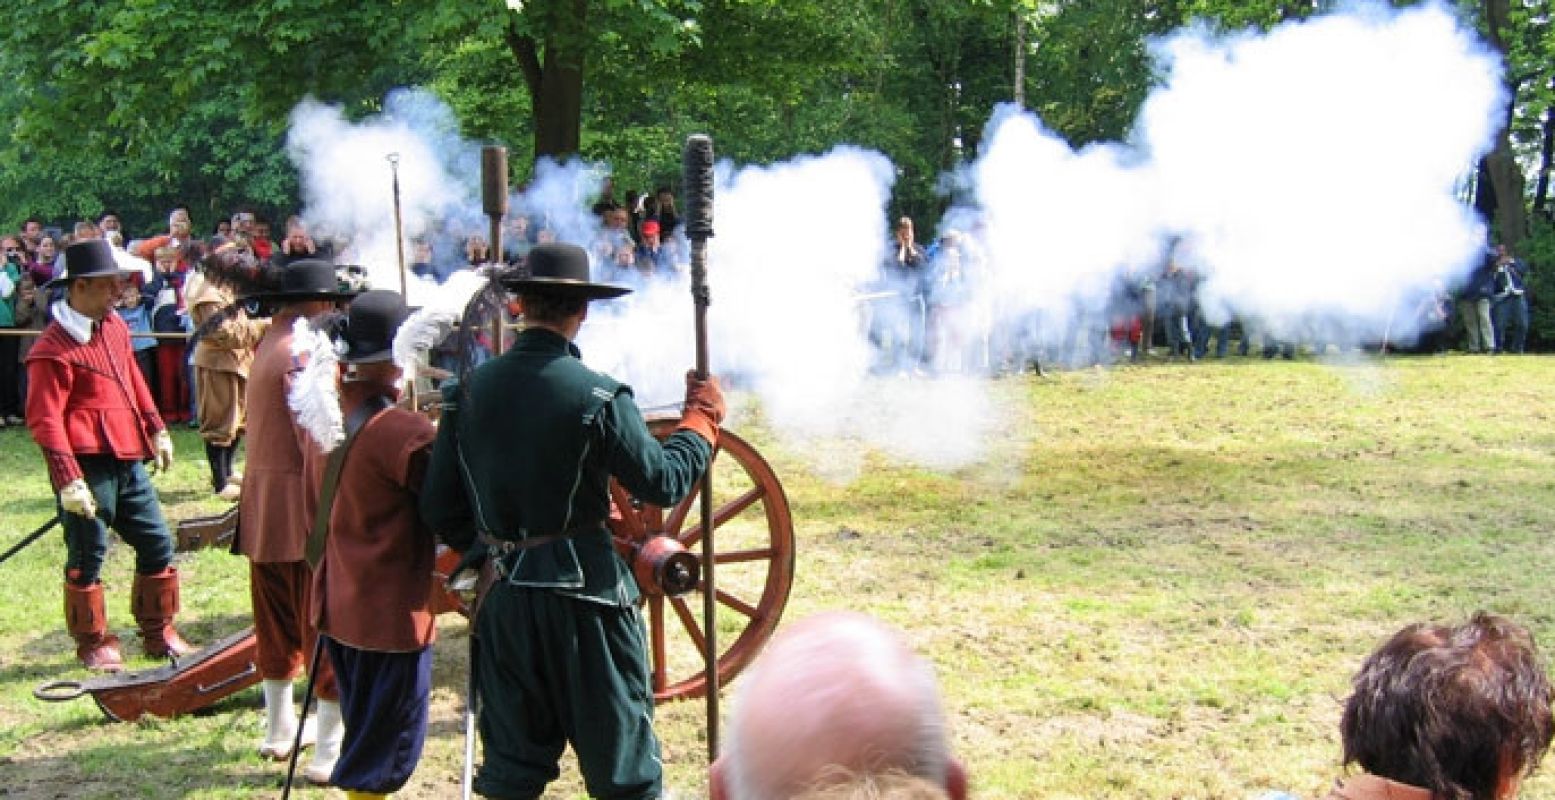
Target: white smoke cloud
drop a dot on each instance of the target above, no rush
(787, 322)
(1311, 172)
(1331, 189)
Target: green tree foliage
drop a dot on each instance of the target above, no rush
(142, 105)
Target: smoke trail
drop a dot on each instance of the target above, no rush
(1311, 172)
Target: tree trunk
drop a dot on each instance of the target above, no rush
(558, 111)
(1020, 58)
(553, 74)
(1541, 192)
(1500, 166)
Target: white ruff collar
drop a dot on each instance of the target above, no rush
(78, 325)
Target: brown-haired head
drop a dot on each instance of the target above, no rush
(1463, 711)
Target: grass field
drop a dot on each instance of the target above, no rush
(1157, 586)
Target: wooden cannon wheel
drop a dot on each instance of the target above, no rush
(754, 555)
(754, 541)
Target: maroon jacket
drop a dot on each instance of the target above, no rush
(373, 588)
(88, 399)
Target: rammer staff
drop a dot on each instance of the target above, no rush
(494, 202)
(399, 228)
(697, 171)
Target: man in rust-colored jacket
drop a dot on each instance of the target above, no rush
(371, 592)
(275, 516)
(94, 418)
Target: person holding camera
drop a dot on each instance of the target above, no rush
(1509, 303)
(12, 270)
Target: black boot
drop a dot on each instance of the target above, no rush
(228, 455)
(219, 460)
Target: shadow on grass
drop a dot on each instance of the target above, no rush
(27, 513)
(148, 759)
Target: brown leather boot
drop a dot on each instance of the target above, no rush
(154, 601)
(86, 617)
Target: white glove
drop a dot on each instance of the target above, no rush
(76, 498)
(164, 457)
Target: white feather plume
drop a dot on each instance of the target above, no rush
(433, 322)
(314, 397)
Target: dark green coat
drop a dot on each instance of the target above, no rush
(530, 450)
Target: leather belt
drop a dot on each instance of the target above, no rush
(501, 547)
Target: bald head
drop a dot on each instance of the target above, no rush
(834, 695)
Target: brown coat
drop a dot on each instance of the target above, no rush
(230, 346)
(372, 590)
(273, 513)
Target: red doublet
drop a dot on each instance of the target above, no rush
(88, 399)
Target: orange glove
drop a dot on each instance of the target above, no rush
(704, 408)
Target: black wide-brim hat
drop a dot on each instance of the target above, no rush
(371, 322)
(308, 279)
(92, 258)
(561, 269)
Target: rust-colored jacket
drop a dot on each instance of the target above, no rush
(1371, 787)
(372, 590)
(88, 399)
(274, 514)
(230, 346)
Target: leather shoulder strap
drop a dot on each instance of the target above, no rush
(355, 421)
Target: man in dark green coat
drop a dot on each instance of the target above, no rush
(523, 460)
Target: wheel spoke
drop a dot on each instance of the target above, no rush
(652, 520)
(677, 519)
(692, 628)
(724, 513)
(734, 602)
(631, 522)
(737, 556)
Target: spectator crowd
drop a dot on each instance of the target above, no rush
(930, 310)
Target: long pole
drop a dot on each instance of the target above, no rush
(698, 175)
(399, 228)
(302, 719)
(399, 246)
(30, 538)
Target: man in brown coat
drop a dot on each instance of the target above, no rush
(275, 517)
(223, 351)
(371, 592)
